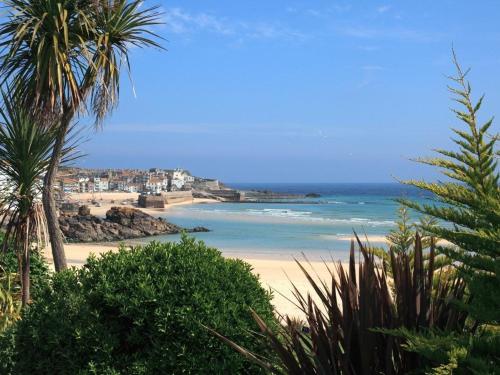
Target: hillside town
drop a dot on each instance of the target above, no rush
(154, 188)
(152, 181)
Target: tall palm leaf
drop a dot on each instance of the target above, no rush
(25, 151)
(64, 58)
(10, 306)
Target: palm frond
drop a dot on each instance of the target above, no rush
(25, 152)
(61, 55)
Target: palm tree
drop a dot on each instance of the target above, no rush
(25, 151)
(64, 58)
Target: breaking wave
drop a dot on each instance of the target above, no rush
(295, 216)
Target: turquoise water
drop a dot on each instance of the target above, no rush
(319, 227)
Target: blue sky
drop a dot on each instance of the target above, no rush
(299, 91)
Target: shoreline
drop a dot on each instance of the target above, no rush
(276, 275)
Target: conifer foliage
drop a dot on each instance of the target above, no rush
(468, 208)
(469, 204)
(402, 238)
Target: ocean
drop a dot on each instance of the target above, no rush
(317, 227)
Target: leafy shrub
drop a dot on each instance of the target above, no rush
(142, 311)
(10, 299)
(7, 350)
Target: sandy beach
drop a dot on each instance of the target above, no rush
(274, 273)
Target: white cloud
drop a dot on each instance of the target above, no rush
(383, 9)
(372, 67)
(179, 21)
(314, 12)
(369, 48)
(322, 12)
(363, 32)
(271, 31)
(341, 8)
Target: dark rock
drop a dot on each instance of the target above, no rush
(120, 223)
(313, 195)
(198, 229)
(84, 211)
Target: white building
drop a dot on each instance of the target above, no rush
(132, 188)
(83, 183)
(70, 185)
(101, 184)
(177, 184)
(164, 184)
(180, 178)
(154, 185)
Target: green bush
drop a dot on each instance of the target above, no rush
(7, 350)
(142, 311)
(40, 276)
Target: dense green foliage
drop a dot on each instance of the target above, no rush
(7, 350)
(142, 311)
(469, 207)
(10, 301)
(402, 238)
(39, 269)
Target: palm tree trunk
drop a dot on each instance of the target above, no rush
(25, 278)
(49, 203)
(25, 262)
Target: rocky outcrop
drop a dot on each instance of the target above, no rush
(83, 210)
(313, 195)
(120, 223)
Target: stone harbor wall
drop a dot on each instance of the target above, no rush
(177, 196)
(159, 201)
(229, 195)
(151, 201)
